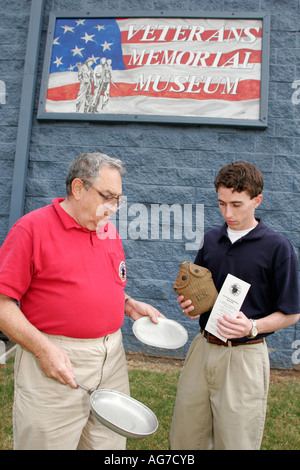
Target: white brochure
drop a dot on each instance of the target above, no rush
(229, 302)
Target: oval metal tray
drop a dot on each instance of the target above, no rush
(123, 414)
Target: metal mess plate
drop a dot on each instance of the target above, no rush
(123, 414)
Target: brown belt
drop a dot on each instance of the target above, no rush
(214, 340)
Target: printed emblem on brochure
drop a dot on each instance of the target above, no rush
(235, 289)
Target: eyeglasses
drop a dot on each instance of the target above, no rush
(109, 201)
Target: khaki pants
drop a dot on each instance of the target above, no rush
(50, 416)
(221, 398)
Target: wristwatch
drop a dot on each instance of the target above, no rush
(254, 330)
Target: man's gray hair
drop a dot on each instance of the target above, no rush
(87, 167)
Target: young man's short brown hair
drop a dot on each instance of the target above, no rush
(241, 176)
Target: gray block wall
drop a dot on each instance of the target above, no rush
(167, 164)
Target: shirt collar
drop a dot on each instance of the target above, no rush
(68, 221)
(257, 232)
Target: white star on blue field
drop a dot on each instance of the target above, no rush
(77, 40)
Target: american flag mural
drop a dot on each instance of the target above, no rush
(156, 66)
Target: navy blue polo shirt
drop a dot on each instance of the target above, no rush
(263, 258)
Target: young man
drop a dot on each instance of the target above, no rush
(68, 276)
(222, 392)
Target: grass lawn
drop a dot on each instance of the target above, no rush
(282, 429)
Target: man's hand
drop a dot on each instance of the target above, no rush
(234, 327)
(55, 364)
(136, 309)
(186, 307)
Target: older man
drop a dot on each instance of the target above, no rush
(67, 271)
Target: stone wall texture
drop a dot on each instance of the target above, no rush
(167, 164)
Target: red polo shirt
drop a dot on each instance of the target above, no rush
(69, 281)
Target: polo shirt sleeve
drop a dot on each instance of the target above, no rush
(286, 286)
(16, 263)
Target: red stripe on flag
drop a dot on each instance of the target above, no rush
(246, 90)
(63, 93)
(191, 58)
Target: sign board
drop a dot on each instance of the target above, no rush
(210, 69)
